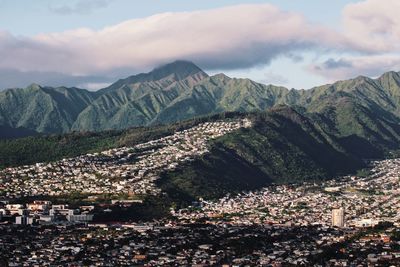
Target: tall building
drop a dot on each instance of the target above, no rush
(338, 217)
(24, 220)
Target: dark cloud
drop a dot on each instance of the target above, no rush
(335, 64)
(296, 58)
(79, 7)
(255, 54)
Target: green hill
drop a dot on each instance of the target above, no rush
(283, 146)
(43, 109)
(297, 135)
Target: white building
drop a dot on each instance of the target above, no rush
(80, 218)
(338, 217)
(24, 220)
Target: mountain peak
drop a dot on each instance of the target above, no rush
(390, 74)
(181, 70)
(34, 86)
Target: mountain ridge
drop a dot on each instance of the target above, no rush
(180, 90)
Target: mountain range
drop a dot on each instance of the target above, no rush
(181, 90)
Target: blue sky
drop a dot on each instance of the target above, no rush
(24, 17)
(294, 43)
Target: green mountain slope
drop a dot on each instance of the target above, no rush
(43, 109)
(360, 107)
(9, 132)
(220, 93)
(282, 146)
(137, 100)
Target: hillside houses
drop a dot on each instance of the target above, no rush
(130, 170)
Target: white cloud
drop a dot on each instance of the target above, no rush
(13, 78)
(373, 28)
(226, 38)
(235, 37)
(373, 25)
(94, 86)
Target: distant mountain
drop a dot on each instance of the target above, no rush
(363, 107)
(43, 109)
(138, 100)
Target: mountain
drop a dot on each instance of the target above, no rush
(220, 93)
(43, 109)
(137, 100)
(297, 135)
(360, 107)
(283, 146)
(7, 132)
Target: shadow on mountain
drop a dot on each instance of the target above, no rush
(216, 174)
(283, 146)
(7, 132)
(360, 147)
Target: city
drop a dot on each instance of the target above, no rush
(364, 201)
(342, 222)
(200, 133)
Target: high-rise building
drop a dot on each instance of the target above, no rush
(24, 220)
(338, 217)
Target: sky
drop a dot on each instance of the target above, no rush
(293, 43)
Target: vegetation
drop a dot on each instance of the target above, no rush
(363, 172)
(14, 152)
(283, 146)
(153, 207)
(28, 150)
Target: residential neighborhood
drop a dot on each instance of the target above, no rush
(129, 170)
(366, 201)
(348, 221)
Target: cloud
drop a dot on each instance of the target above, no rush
(233, 37)
(373, 25)
(93, 86)
(352, 66)
(225, 38)
(335, 64)
(372, 28)
(79, 7)
(13, 78)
